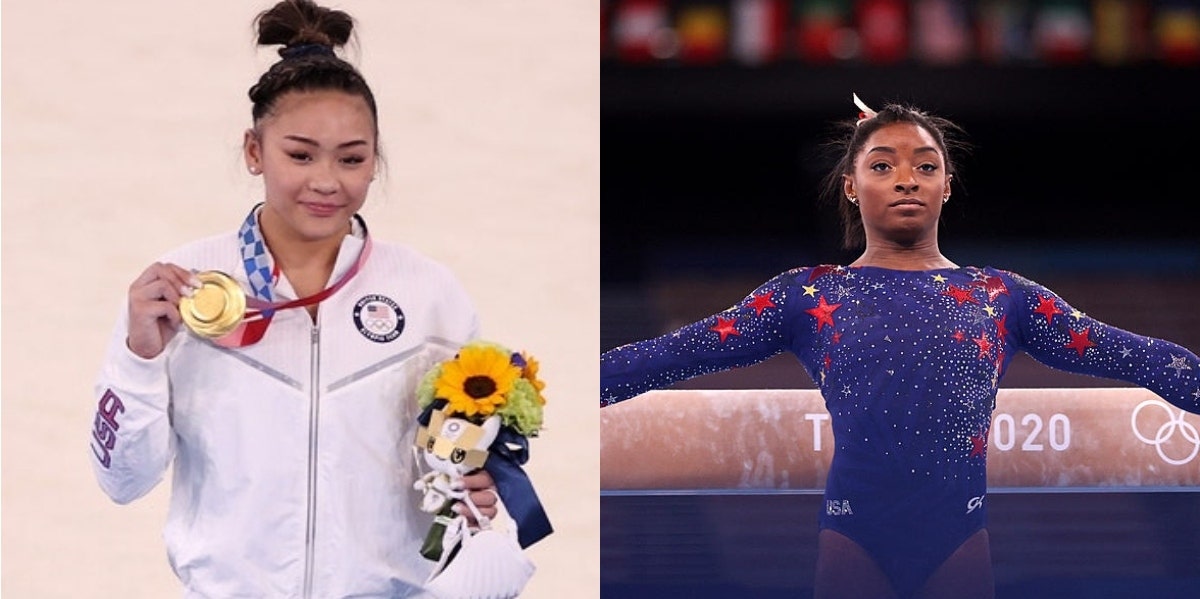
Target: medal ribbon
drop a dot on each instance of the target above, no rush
(261, 308)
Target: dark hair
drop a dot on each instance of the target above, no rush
(309, 34)
(848, 142)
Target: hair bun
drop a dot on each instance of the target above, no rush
(303, 28)
(310, 36)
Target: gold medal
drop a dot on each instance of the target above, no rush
(216, 308)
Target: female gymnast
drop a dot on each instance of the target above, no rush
(289, 436)
(908, 349)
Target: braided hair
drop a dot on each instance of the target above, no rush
(309, 35)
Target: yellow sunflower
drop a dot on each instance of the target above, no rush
(530, 373)
(477, 380)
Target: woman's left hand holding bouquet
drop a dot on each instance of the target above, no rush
(481, 489)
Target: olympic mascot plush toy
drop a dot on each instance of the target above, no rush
(477, 411)
(453, 447)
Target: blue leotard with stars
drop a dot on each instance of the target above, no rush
(908, 363)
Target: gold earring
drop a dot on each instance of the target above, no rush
(853, 199)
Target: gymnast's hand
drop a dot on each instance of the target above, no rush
(481, 488)
(154, 307)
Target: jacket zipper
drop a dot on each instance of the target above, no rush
(313, 413)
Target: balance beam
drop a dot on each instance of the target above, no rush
(781, 439)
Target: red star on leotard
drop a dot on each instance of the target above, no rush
(993, 286)
(762, 302)
(823, 312)
(725, 328)
(958, 335)
(960, 295)
(985, 344)
(1079, 341)
(1001, 328)
(1047, 308)
(979, 443)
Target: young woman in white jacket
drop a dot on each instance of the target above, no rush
(289, 436)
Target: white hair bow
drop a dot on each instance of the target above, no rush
(866, 110)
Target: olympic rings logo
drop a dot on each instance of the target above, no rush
(1166, 431)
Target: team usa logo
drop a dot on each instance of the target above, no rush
(104, 430)
(378, 318)
(838, 507)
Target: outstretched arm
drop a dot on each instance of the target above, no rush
(744, 334)
(1062, 337)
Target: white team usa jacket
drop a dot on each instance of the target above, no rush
(291, 458)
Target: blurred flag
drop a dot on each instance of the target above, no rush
(639, 27)
(703, 31)
(1004, 31)
(758, 30)
(1177, 32)
(1120, 30)
(1062, 31)
(883, 30)
(941, 31)
(605, 9)
(823, 31)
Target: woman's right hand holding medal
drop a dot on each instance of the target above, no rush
(154, 307)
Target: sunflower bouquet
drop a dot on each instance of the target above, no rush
(485, 379)
(477, 410)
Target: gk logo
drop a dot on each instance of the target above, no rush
(974, 503)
